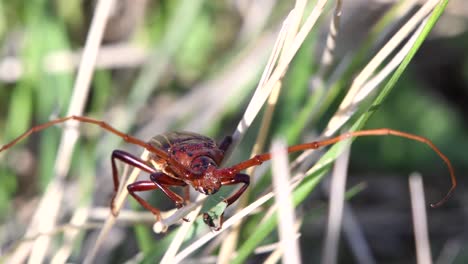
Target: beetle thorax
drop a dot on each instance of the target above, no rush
(208, 183)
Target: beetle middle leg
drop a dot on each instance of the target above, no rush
(131, 160)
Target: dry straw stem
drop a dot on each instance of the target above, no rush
(118, 203)
(45, 217)
(335, 211)
(169, 256)
(233, 220)
(263, 92)
(284, 203)
(355, 237)
(348, 105)
(229, 244)
(357, 93)
(275, 256)
(418, 206)
(330, 46)
(221, 89)
(79, 219)
(285, 38)
(378, 78)
(228, 223)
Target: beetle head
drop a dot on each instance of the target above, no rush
(208, 183)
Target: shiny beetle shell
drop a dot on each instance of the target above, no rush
(184, 147)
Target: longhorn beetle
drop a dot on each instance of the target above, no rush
(184, 158)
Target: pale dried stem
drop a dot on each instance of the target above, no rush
(170, 255)
(259, 99)
(418, 206)
(118, 203)
(284, 203)
(347, 106)
(79, 218)
(330, 44)
(335, 212)
(275, 256)
(45, 217)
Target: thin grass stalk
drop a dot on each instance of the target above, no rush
(79, 218)
(257, 101)
(277, 251)
(44, 218)
(354, 235)
(286, 213)
(169, 256)
(347, 107)
(230, 242)
(118, 203)
(418, 206)
(335, 212)
(330, 44)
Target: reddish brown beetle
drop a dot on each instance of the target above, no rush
(183, 158)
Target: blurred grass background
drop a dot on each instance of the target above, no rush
(173, 72)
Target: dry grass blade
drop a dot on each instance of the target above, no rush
(286, 214)
(45, 216)
(230, 242)
(418, 206)
(275, 256)
(259, 99)
(347, 106)
(171, 252)
(118, 203)
(330, 45)
(354, 235)
(79, 219)
(228, 223)
(374, 82)
(335, 211)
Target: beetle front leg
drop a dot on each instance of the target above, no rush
(238, 178)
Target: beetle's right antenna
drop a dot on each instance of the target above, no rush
(259, 159)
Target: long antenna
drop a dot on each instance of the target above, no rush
(259, 159)
(105, 126)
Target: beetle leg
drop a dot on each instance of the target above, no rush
(141, 186)
(238, 178)
(131, 160)
(163, 181)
